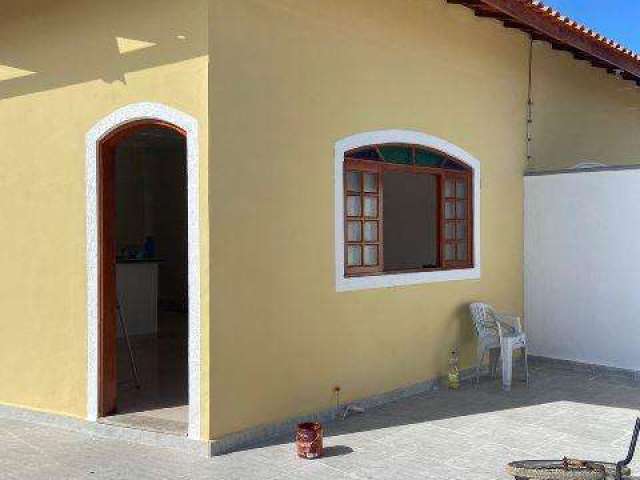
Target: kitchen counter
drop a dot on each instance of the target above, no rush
(137, 288)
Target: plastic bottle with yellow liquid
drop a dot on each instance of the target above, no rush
(453, 378)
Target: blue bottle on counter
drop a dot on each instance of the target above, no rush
(149, 247)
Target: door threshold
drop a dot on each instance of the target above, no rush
(102, 429)
(140, 421)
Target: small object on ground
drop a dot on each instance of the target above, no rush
(565, 469)
(309, 440)
(453, 378)
(574, 469)
(336, 391)
(349, 409)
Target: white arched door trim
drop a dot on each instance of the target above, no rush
(118, 118)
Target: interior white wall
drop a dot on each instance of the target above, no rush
(582, 266)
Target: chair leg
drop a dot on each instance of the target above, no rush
(506, 352)
(494, 357)
(526, 364)
(480, 357)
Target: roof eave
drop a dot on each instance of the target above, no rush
(543, 23)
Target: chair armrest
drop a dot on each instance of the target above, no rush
(511, 321)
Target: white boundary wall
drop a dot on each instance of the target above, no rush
(582, 266)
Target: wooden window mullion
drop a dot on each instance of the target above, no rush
(363, 205)
(441, 227)
(456, 196)
(367, 247)
(470, 217)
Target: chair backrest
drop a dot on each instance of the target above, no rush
(484, 321)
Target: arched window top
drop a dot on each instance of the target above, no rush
(407, 154)
(407, 210)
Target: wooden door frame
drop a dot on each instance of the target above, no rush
(107, 322)
(100, 141)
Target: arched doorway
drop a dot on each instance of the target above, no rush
(138, 224)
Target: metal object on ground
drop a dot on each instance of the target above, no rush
(309, 440)
(125, 334)
(572, 469)
(566, 469)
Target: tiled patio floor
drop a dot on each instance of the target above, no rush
(470, 434)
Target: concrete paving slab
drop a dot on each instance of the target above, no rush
(468, 434)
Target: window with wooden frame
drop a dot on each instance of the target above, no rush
(407, 208)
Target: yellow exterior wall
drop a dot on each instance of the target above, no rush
(581, 113)
(79, 77)
(288, 79)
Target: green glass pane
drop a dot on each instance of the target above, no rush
(424, 158)
(396, 154)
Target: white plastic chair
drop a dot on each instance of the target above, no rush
(498, 331)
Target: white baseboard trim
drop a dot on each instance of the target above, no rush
(102, 430)
(592, 368)
(262, 434)
(235, 441)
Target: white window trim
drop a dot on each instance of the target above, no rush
(399, 279)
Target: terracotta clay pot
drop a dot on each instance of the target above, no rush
(309, 440)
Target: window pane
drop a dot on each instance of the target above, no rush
(370, 182)
(370, 231)
(461, 209)
(354, 180)
(462, 250)
(365, 154)
(354, 255)
(461, 189)
(448, 251)
(425, 158)
(354, 207)
(396, 154)
(354, 231)
(371, 207)
(450, 164)
(461, 231)
(370, 255)
(449, 231)
(449, 188)
(449, 208)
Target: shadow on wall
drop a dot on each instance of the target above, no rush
(47, 45)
